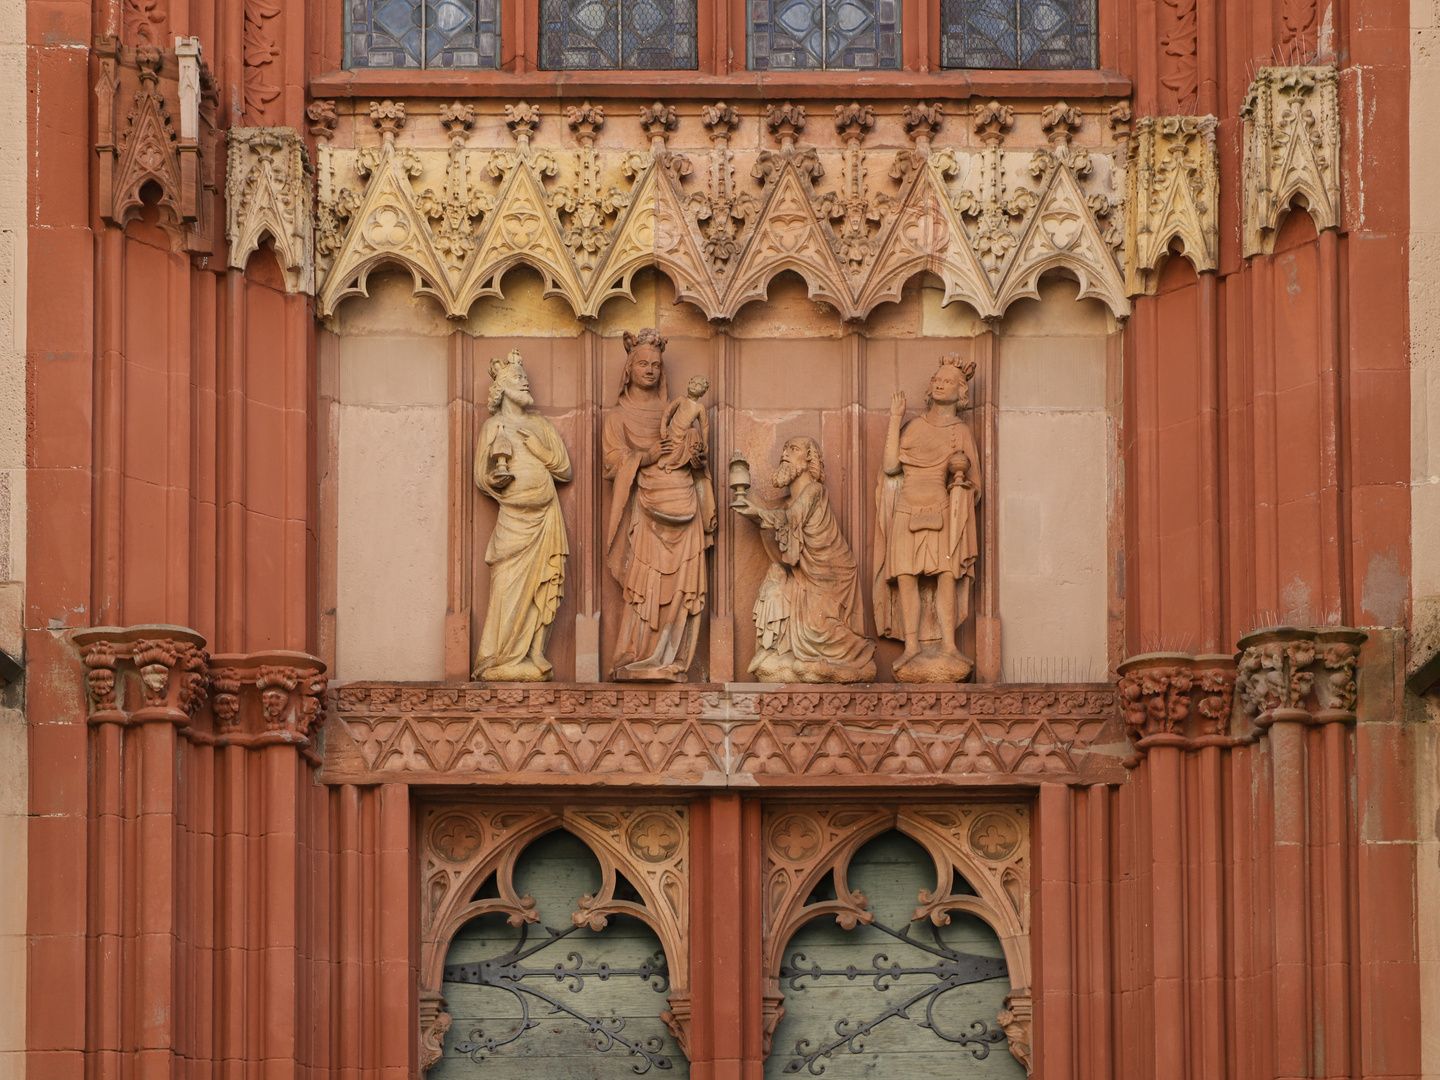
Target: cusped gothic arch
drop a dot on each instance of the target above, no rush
(464, 847)
(985, 845)
(803, 845)
(359, 283)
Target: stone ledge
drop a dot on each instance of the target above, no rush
(723, 735)
(954, 84)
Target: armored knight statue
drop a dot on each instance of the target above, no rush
(662, 519)
(925, 542)
(809, 626)
(518, 461)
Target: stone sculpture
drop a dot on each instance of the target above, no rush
(686, 424)
(661, 521)
(925, 539)
(517, 463)
(809, 626)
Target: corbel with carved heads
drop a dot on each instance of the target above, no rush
(140, 674)
(150, 673)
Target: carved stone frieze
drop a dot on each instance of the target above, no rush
(717, 736)
(854, 221)
(267, 193)
(154, 117)
(1292, 151)
(464, 845)
(986, 844)
(1173, 196)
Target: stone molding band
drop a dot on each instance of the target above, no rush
(718, 736)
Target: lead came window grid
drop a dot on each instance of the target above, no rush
(607, 35)
(824, 35)
(422, 34)
(1041, 34)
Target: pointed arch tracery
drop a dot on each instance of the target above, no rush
(587, 226)
(467, 846)
(986, 845)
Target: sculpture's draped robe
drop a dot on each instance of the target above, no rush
(660, 524)
(816, 616)
(527, 550)
(926, 524)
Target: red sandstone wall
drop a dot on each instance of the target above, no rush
(1202, 919)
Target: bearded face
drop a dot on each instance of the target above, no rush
(785, 474)
(795, 461)
(516, 385)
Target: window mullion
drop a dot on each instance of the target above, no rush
(824, 35)
(1019, 34)
(619, 35)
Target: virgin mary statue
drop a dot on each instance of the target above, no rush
(662, 518)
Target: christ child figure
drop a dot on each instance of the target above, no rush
(687, 425)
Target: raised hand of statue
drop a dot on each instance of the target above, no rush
(897, 405)
(743, 505)
(536, 447)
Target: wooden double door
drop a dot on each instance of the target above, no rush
(724, 937)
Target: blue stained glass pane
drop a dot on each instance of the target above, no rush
(817, 35)
(422, 34)
(1044, 34)
(617, 34)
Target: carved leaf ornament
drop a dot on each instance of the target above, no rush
(586, 220)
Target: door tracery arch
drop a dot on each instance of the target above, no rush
(470, 856)
(981, 865)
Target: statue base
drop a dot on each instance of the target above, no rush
(770, 667)
(649, 673)
(933, 666)
(521, 671)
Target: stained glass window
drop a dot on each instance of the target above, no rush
(599, 35)
(824, 35)
(1047, 34)
(422, 34)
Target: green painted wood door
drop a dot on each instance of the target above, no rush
(556, 1002)
(842, 989)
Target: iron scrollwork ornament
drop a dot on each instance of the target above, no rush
(506, 972)
(952, 969)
